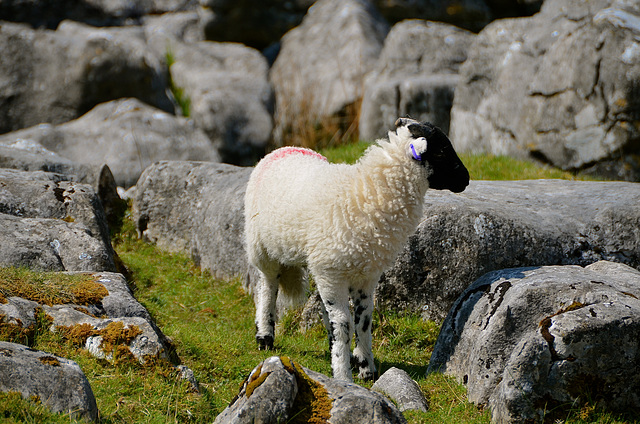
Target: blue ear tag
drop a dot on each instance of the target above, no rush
(416, 156)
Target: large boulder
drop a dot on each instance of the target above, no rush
(198, 208)
(320, 69)
(415, 75)
(560, 87)
(58, 383)
(280, 390)
(126, 134)
(502, 224)
(230, 97)
(533, 342)
(56, 76)
(52, 224)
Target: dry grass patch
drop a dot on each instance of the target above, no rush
(50, 288)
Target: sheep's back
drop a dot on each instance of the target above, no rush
(283, 201)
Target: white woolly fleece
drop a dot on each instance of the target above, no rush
(349, 221)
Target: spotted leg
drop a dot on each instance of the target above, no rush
(363, 354)
(338, 322)
(266, 310)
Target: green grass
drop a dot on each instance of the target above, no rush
(481, 167)
(181, 98)
(211, 324)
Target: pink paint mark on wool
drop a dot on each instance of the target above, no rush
(281, 153)
(289, 151)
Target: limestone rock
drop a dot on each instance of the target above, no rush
(322, 63)
(28, 155)
(414, 76)
(398, 386)
(558, 87)
(126, 134)
(530, 341)
(279, 389)
(494, 225)
(197, 208)
(58, 383)
(52, 224)
(231, 99)
(113, 327)
(56, 76)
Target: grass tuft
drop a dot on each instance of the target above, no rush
(50, 288)
(181, 98)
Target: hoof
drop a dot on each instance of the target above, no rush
(265, 342)
(368, 375)
(364, 369)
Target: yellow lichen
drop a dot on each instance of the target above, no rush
(621, 102)
(49, 360)
(116, 334)
(77, 334)
(116, 338)
(312, 403)
(255, 380)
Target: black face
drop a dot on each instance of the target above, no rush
(448, 170)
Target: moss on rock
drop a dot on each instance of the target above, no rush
(51, 288)
(312, 403)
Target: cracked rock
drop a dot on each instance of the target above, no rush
(58, 383)
(280, 390)
(559, 86)
(526, 341)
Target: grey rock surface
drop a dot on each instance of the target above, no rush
(28, 155)
(52, 245)
(266, 396)
(494, 225)
(415, 75)
(52, 224)
(56, 76)
(126, 134)
(398, 386)
(530, 341)
(59, 383)
(279, 389)
(322, 63)
(231, 99)
(39, 195)
(198, 208)
(559, 87)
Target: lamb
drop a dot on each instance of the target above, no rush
(345, 224)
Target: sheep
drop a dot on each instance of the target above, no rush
(345, 224)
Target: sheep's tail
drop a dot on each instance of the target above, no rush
(294, 284)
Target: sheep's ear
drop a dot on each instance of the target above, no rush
(417, 148)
